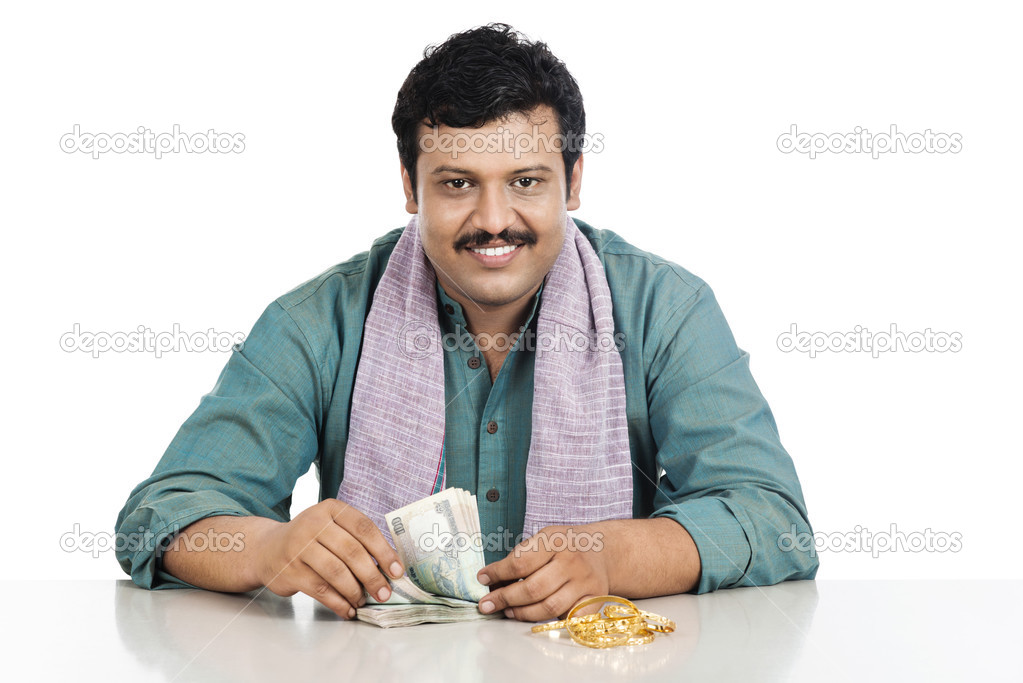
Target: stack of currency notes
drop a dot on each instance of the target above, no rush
(439, 543)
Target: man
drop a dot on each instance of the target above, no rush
(646, 466)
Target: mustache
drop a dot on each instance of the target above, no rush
(482, 238)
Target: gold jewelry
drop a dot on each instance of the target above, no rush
(549, 626)
(660, 624)
(619, 622)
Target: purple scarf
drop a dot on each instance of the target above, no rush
(579, 468)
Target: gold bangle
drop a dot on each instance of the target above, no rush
(550, 626)
(619, 622)
(660, 624)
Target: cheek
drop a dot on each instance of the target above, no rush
(433, 249)
(444, 210)
(436, 239)
(552, 256)
(553, 245)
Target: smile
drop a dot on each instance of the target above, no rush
(496, 251)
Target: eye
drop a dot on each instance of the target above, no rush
(527, 183)
(456, 183)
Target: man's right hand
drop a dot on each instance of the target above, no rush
(330, 552)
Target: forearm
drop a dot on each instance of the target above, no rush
(648, 557)
(239, 453)
(219, 553)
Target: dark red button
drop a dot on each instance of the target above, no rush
(449, 308)
(474, 362)
(491, 427)
(493, 495)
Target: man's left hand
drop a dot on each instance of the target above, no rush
(559, 566)
(547, 574)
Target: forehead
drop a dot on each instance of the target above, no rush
(518, 140)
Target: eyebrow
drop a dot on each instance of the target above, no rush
(444, 168)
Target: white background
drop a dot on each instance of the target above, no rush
(690, 106)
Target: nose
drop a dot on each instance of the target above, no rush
(493, 213)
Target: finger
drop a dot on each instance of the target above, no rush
(359, 562)
(366, 532)
(554, 606)
(521, 562)
(533, 590)
(334, 571)
(317, 588)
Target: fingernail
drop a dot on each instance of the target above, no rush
(351, 612)
(383, 594)
(509, 613)
(483, 578)
(486, 607)
(396, 570)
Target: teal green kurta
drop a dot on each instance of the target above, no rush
(704, 444)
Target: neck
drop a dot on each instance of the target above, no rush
(494, 320)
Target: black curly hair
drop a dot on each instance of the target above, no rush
(482, 75)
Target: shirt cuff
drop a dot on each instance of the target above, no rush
(155, 526)
(721, 541)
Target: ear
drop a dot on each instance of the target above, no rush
(577, 182)
(410, 202)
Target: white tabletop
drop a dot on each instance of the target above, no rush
(813, 631)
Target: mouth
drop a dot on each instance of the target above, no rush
(495, 256)
(495, 251)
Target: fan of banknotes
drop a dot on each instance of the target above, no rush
(438, 540)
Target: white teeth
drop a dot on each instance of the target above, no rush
(499, 251)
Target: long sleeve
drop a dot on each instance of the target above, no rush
(727, 479)
(239, 453)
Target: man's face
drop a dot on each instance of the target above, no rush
(483, 199)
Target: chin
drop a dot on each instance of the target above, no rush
(490, 298)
